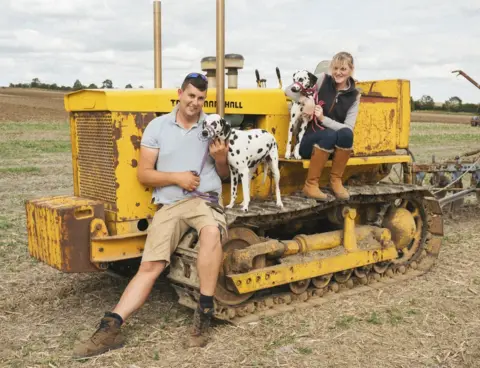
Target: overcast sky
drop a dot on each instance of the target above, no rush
(420, 40)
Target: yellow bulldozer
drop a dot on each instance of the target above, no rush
(275, 260)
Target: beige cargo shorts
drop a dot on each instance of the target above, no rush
(172, 221)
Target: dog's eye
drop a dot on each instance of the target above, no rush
(300, 79)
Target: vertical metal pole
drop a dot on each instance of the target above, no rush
(221, 57)
(157, 42)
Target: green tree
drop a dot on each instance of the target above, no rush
(426, 103)
(128, 86)
(453, 104)
(78, 85)
(107, 83)
(35, 83)
(92, 86)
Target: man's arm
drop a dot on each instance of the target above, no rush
(149, 176)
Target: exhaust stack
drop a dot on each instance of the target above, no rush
(220, 73)
(157, 42)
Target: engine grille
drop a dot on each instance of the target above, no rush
(96, 170)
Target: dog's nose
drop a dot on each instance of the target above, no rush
(205, 133)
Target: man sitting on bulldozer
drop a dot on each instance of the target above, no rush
(170, 149)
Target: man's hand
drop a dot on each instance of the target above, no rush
(219, 150)
(319, 113)
(187, 180)
(308, 108)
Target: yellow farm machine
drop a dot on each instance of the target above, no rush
(275, 260)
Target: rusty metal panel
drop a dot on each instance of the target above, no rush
(375, 129)
(59, 231)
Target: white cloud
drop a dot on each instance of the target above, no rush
(423, 41)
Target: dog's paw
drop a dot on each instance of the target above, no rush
(297, 156)
(288, 155)
(245, 208)
(279, 204)
(230, 205)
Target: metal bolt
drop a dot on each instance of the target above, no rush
(100, 249)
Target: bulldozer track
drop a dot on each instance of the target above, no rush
(274, 301)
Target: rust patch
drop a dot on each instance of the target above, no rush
(142, 120)
(136, 140)
(436, 225)
(75, 242)
(137, 204)
(117, 131)
(274, 130)
(375, 99)
(134, 163)
(391, 117)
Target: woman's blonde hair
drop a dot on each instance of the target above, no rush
(342, 58)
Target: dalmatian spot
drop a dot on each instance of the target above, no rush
(230, 149)
(232, 141)
(238, 152)
(260, 150)
(249, 137)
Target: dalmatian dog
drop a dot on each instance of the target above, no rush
(305, 83)
(246, 149)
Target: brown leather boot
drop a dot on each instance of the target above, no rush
(317, 162)
(201, 324)
(340, 159)
(107, 337)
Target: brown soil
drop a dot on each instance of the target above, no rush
(427, 117)
(20, 105)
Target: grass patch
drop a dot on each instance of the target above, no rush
(443, 138)
(4, 223)
(305, 351)
(374, 319)
(394, 317)
(29, 127)
(345, 321)
(17, 148)
(19, 169)
(282, 341)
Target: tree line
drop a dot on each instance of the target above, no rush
(453, 104)
(77, 85)
(426, 102)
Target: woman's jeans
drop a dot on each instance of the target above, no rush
(326, 139)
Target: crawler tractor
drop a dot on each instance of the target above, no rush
(275, 260)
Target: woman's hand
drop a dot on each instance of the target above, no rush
(319, 113)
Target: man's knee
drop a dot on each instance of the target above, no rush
(345, 138)
(152, 268)
(210, 236)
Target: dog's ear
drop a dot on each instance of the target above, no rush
(313, 79)
(226, 128)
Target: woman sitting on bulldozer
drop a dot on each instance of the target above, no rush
(340, 100)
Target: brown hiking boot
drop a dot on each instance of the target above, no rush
(201, 323)
(338, 167)
(317, 162)
(107, 337)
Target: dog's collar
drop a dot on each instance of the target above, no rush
(307, 91)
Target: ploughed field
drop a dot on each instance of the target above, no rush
(432, 321)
